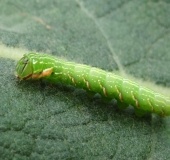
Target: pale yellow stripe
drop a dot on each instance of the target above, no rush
(11, 52)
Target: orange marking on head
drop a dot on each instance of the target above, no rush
(45, 73)
(35, 76)
(18, 77)
(25, 78)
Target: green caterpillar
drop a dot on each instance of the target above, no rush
(42, 66)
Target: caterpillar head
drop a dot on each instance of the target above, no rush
(24, 68)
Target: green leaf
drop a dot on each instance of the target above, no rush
(130, 38)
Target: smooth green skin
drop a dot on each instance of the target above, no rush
(94, 80)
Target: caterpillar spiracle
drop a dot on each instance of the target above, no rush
(34, 66)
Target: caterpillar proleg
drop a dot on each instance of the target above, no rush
(34, 66)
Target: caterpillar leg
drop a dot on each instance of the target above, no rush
(90, 93)
(139, 113)
(106, 100)
(45, 73)
(121, 105)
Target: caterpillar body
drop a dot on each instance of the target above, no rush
(34, 66)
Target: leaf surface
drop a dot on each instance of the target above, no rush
(130, 38)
